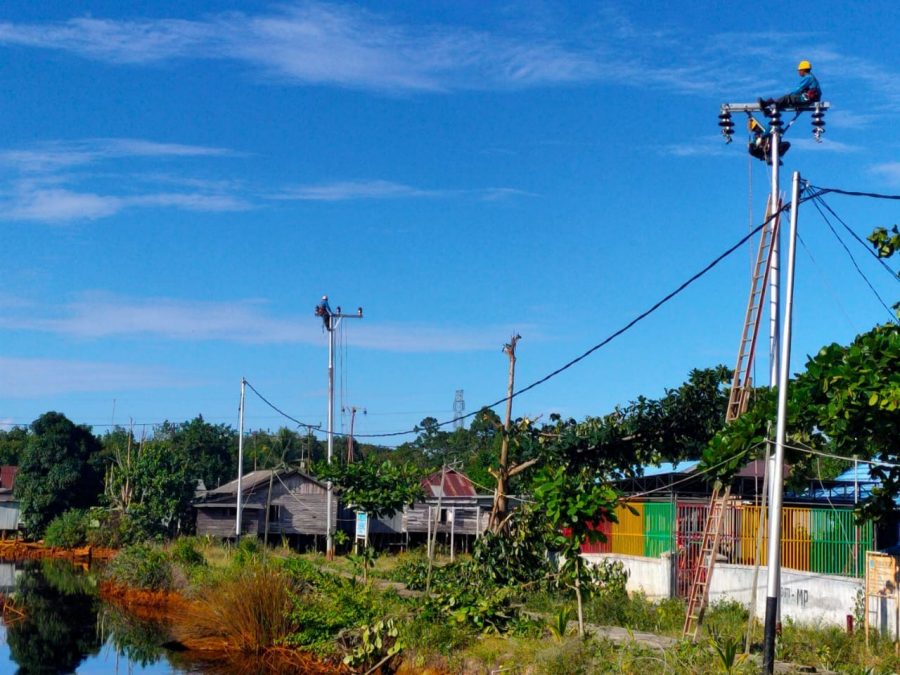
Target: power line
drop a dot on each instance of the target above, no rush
(640, 317)
(852, 193)
(869, 249)
(816, 199)
(280, 411)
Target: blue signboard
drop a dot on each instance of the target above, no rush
(362, 525)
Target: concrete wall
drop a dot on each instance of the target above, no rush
(806, 597)
(652, 576)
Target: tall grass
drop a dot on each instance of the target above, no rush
(246, 612)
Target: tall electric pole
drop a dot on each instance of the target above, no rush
(331, 320)
(237, 524)
(773, 581)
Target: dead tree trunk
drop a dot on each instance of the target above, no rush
(502, 474)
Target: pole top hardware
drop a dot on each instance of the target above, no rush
(817, 109)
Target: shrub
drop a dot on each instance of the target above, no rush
(141, 566)
(184, 552)
(248, 612)
(69, 529)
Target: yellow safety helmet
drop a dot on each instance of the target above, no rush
(804, 65)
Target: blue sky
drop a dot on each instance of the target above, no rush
(181, 182)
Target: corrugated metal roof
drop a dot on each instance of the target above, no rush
(456, 484)
(666, 468)
(254, 478)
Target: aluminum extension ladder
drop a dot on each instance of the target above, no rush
(741, 385)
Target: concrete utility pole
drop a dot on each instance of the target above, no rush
(237, 523)
(773, 585)
(331, 320)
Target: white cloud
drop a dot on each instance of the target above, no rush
(889, 171)
(56, 155)
(57, 205)
(383, 189)
(34, 377)
(349, 46)
(103, 316)
(53, 206)
(347, 190)
(345, 45)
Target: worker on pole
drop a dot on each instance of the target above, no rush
(323, 309)
(760, 145)
(807, 91)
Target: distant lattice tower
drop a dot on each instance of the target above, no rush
(459, 409)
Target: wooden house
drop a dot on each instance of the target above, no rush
(283, 503)
(452, 507)
(10, 514)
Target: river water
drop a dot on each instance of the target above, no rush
(66, 628)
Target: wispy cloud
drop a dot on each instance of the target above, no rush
(103, 316)
(62, 205)
(47, 186)
(888, 171)
(345, 45)
(349, 46)
(34, 377)
(382, 189)
(347, 190)
(56, 155)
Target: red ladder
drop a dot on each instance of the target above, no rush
(706, 561)
(739, 398)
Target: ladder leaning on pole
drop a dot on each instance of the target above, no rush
(706, 561)
(739, 398)
(741, 385)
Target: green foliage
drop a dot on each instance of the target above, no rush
(141, 566)
(209, 449)
(559, 624)
(885, 242)
(67, 530)
(56, 472)
(845, 402)
(376, 641)
(519, 554)
(12, 445)
(184, 552)
(379, 489)
(327, 607)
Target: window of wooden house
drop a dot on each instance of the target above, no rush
(274, 513)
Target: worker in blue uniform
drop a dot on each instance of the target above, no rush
(760, 145)
(323, 309)
(807, 91)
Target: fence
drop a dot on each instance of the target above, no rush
(823, 540)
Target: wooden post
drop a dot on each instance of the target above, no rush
(452, 526)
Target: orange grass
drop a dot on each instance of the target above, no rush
(246, 612)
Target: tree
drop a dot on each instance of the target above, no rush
(12, 445)
(574, 502)
(379, 489)
(211, 448)
(56, 472)
(845, 402)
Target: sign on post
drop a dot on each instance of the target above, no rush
(362, 527)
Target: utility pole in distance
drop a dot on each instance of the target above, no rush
(352, 410)
(331, 320)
